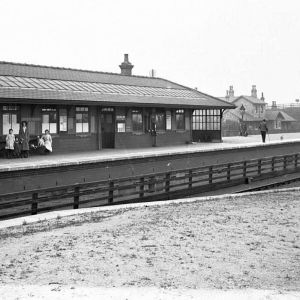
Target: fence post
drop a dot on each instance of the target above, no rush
(210, 175)
(111, 192)
(273, 164)
(296, 160)
(151, 184)
(190, 179)
(245, 169)
(76, 198)
(284, 163)
(34, 204)
(142, 187)
(167, 183)
(259, 167)
(228, 172)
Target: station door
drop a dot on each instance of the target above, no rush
(108, 127)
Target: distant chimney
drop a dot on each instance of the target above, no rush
(254, 91)
(227, 95)
(126, 66)
(152, 73)
(231, 91)
(262, 97)
(274, 105)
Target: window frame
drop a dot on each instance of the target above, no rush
(162, 112)
(137, 112)
(180, 113)
(9, 109)
(59, 120)
(83, 111)
(206, 120)
(120, 120)
(49, 111)
(278, 123)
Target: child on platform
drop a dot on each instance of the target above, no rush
(10, 140)
(17, 148)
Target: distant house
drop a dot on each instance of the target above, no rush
(279, 120)
(251, 110)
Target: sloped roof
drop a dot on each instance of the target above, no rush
(46, 72)
(251, 99)
(228, 99)
(272, 115)
(41, 83)
(247, 117)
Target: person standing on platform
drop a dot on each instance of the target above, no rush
(10, 141)
(24, 139)
(263, 130)
(17, 148)
(47, 139)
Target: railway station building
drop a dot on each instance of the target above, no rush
(88, 110)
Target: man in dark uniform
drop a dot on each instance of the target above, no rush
(263, 130)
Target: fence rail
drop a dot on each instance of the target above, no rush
(153, 186)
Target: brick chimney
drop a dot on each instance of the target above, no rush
(262, 97)
(231, 91)
(126, 66)
(254, 91)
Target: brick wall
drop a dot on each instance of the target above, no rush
(132, 140)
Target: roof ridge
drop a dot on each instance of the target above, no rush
(195, 90)
(73, 69)
(121, 84)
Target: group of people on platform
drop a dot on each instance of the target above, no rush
(18, 146)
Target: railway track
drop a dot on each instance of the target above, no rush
(295, 181)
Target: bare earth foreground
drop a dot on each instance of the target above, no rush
(233, 247)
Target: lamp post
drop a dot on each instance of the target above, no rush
(243, 127)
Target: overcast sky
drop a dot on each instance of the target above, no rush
(206, 44)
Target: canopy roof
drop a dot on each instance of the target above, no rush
(41, 84)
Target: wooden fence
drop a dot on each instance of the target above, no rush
(149, 187)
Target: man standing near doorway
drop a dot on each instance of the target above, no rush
(263, 130)
(24, 139)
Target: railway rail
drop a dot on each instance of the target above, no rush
(170, 184)
(276, 184)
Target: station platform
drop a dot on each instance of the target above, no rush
(38, 172)
(114, 155)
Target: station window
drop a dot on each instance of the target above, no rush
(199, 119)
(206, 119)
(137, 120)
(160, 119)
(277, 124)
(11, 118)
(49, 119)
(179, 119)
(82, 119)
(63, 120)
(120, 121)
(110, 109)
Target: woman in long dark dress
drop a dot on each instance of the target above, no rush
(24, 139)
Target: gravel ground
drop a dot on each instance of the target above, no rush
(239, 242)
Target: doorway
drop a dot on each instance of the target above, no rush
(108, 127)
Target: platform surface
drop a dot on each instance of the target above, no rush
(52, 160)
